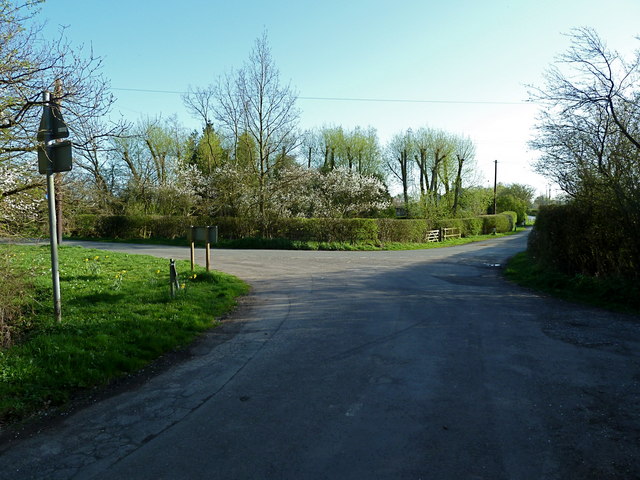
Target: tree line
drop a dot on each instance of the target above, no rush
(249, 158)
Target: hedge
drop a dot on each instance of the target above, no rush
(354, 230)
(580, 239)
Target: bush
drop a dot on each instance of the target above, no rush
(514, 218)
(500, 222)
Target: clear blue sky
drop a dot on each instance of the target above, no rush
(443, 51)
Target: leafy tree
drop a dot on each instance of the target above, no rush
(208, 151)
(152, 158)
(515, 197)
(520, 191)
(510, 203)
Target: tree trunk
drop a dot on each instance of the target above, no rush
(458, 185)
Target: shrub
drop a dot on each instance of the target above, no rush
(500, 222)
(514, 218)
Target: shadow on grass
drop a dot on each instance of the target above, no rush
(98, 298)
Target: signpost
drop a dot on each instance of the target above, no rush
(208, 235)
(53, 156)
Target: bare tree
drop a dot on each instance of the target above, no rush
(465, 152)
(257, 103)
(399, 155)
(588, 134)
(591, 117)
(30, 65)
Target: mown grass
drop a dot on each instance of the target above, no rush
(117, 316)
(286, 244)
(622, 295)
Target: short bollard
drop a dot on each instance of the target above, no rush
(174, 284)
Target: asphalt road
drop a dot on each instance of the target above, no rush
(420, 364)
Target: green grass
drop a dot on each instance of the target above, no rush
(286, 244)
(117, 316)
(620, 295)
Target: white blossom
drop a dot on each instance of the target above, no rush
(21, 207)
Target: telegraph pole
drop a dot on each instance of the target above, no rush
(495, 188)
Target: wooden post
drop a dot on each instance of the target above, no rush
(193, 246)
(208, 248)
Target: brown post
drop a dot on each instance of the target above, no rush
(208, 248)
(192, 240)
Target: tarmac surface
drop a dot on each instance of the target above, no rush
(421, 364)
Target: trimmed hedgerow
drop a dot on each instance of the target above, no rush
(351, 230)
(579, 239)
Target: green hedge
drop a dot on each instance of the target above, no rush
(514, 218)
(354, 230)
(501, 223)
(580, 239)
(404, 230)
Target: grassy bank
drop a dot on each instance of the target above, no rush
(117, 317)
(613, 294)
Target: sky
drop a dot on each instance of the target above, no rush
(465, 66)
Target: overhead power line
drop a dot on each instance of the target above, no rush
(410, 100)
(355, 99)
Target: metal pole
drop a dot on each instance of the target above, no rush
(58, 177)
(51, 199)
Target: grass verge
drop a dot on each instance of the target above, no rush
(613, 294)
(117, 316)
(286, 244)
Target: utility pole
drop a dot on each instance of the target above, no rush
(495, 188)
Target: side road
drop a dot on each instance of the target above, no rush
(351, 365)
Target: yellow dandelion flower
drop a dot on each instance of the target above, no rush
(182, 286)
(86, 259)
(157, 271)
(96, 257)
